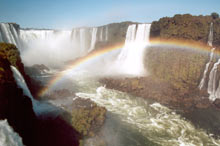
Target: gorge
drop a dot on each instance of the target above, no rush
(155, 84)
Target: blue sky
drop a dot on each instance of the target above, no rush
(74, 13)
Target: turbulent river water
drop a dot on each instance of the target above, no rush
(132, 120)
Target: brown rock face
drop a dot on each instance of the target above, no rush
(174, 76)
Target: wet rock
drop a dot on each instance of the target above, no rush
(37, 70)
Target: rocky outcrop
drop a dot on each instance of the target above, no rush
(12, 54)
(37, 70)
(173, 78)
(17, 108)
(87, 117)
(174, 73)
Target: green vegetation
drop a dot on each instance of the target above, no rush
(11, 53)
(187, 27)
(87, 117)
(215, 15)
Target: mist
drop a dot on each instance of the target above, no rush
(50, 48)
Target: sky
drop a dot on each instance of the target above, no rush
(66, 14)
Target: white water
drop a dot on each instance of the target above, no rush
(212, 76)
(53, 47)
(157, 123)
(214, 92)
(106, 33)
(213, 82)
(27, 36)
(8, 34)
(56, 47)
(131, 56)
(48, 47)
(93, 40)
(202, 83)
(210, 38)
(40, 108)
(8, 137)
(21, 82)
(101, 34)
(152, 120)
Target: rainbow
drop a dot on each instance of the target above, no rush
(179, 43)
(100, 52)
(77, 63)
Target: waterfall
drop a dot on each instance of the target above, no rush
(101, 34)
(31, 35)
(202, 83)
(213, 80)
(93, 39)
(9, 34)
(21, 82)
(54, 47)
(213, 90)
(7, 135)
(83, 39)
(40, 108)
(210, 38)
(131, 56)
(106, 33)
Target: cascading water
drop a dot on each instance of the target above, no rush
(93, 40)
(21, 82)
(82, 39)
(27, 36)
(106, 33)
(54, 47)
(210, 40)
(101, 34)
(9, 34)
(213, 85)
(7, 135)
(132, 54)
(213, 81)
(202, 83)
(40, 108)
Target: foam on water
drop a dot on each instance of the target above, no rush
(156, 122)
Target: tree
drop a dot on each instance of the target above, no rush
(215, 15)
